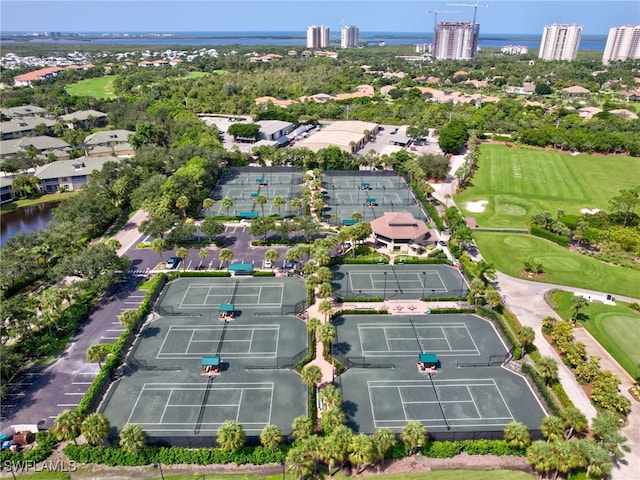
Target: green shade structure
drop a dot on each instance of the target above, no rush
(365, 184)
(248, 214)
(349, 221)
(254, 194)
(370, 200)
(211, 361)
(240, 267)
(226, 307)
(259, 180)
(428, 358)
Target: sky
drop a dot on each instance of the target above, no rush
(501, 16)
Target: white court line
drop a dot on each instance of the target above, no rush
(67, 404)
(109, 338)
(251, 341)
(74, 393)
(402, 402)
(446, 339)
(81, 383)
(503, 400)
(474, 402)
(135, 405)
(193, 332)
(239, 403)
(473, 341)
(166, 405)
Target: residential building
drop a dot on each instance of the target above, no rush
(560, 42)
(456, 40)
(349, 36)
(400, 231)
(514, 50)
(25, 126)
(108, 142)
(22, 111)
(623, 43)
(274, 129)
(26, 79)
(68, 175)
(317, 36)
(42, 146)
(84, 119)
(7, 194)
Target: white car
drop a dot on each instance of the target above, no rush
(268, 264)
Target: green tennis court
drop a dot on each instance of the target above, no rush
(164, 387)
(399, 281)
(471, 391)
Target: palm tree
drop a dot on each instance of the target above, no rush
(312, 445)
(383, 440)
(203, 254)
(272, 255)
(231, 436)
(261, 200)
(322, 257)
(606, 429)
(182, 202)
(527, 336)
(128, 319)
(357, 216)
(270, 437)
(330, 397)
(493, 298)
(552, 428)
(486, 271)
(342, 438)
(325, 290)
(517, 435)
(325, 308)
(132, 438)
(95, 428)
(414, 434)
(67, 425)
(296, 205)
(326, 333)
(548, 369)
(331, 452)
(539, 455)
(311, 375)
(574, 422)
(298, 463)
(302, 427)
(225, 255)
(598, 461)
(477, 289)
(98, 352)
(227, 203)
(278, 202)
(158, 245)
(579, 302)
(362, 451)
(182, 253)
(207, 203)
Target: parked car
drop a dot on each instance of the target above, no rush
(290, 264)
(442, 243)
(268, 264)
(172, 263)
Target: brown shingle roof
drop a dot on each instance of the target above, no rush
(399, 226)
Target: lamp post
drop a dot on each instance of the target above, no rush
(157, 465)
(282, 465)
(347, 276)
(424, 283)
(385, 285)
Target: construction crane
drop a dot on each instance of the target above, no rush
(435, 15)
(474, 5)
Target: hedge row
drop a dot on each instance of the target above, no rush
(440, 299)
(200, 273)
(113, 456)
(359, 311)
(541, 387)
(262, 273)
(505, 328)
(359, 299)
(311, 351)
(452, 310)
(424, 261)
(100, 383)
(546, 234)
(433, 211)
(451, 449)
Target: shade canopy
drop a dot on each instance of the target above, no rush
(349, 221)
(259, 180)
(428, 358)
(240, 267)
(365, 184)
(248, 214)
(254, 194)
(225, 307)
(371, 200)
(211, 361)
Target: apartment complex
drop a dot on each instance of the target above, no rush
(560, 42)
(623, 43)
(317, 36)
(349, 36)
(456, 41)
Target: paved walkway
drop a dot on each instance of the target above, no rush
(526, 300)
(129, 235)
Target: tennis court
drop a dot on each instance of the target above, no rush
(369, 194)
(472, 390)
(242, 186)
(165, 387)
(399, 281)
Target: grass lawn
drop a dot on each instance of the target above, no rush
(197, 74)
(519, 183)
(100, 87)
(616, 327)
(508, 252)
(27, 202)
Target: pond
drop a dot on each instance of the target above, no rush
(26, 219)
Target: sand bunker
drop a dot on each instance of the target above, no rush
(590, 211)
(477, 207)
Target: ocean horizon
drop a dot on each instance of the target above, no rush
(279, 38)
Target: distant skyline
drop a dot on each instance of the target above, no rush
(501, 17)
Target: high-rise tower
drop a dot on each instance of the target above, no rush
(349, 36)
(317, 36)
(456, 40)
(560, 42)
(622, 43)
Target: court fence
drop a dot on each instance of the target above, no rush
(345, 363)
(296, 176)
(494, 361)
(281, 363)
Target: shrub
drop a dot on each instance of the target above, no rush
(360, 311)
(212, 273)
(442, 449)
(490, 447)
(510, 335)
(541, 388)
(546, 234)
(359, 299)
(261, 273)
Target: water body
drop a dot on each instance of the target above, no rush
(26, 220)
(295, 39)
